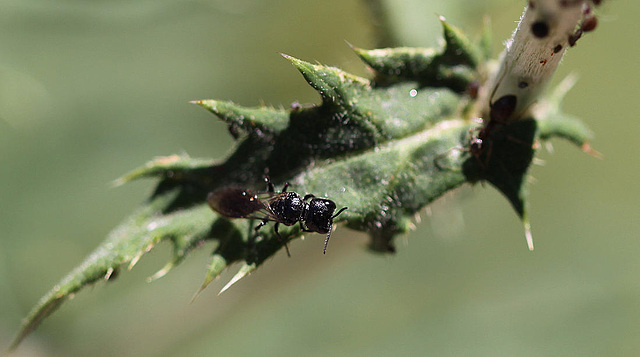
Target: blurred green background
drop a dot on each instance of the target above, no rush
(90, 90)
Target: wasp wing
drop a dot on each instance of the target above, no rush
(240, 203)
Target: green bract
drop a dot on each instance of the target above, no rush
(385, 148)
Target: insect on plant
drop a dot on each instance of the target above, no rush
(500, 112)
(524, 74)
(312, 213)
(589, 23)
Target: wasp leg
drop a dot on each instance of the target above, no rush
(270, 187)
(251, 244)
(303, 228)
(308, 196)
(442, 166)
(485, 164)
(516, 140)
(262, 224)
(286, 247)
(473, 140)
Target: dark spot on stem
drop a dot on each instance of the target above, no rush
(540, 29)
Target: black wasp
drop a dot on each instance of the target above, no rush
(312, 213)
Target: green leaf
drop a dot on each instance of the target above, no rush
(165, 165)
(146, 227)
(454, 65)
(486, 40)
(243, 120)
(553, 122)
(384, 148)
(458, 49)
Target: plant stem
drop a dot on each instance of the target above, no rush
(546, 30)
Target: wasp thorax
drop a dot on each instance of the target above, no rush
(288, 208)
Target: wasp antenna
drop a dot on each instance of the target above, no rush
(337, 214)
(326, 241)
